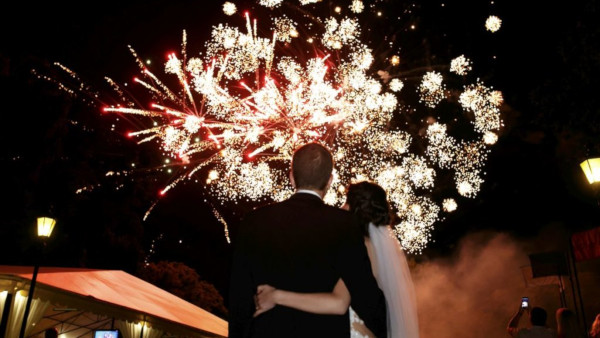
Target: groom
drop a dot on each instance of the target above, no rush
(302, 245)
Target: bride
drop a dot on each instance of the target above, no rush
(369, 203)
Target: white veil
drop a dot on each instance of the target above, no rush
(393, 277)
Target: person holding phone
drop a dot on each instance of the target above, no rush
(537, 318)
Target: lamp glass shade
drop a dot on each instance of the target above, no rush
(45, 226)
(591, 168)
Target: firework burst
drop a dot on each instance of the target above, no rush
(243, 106)
(460, 65)
(493, 23)
(432, 89)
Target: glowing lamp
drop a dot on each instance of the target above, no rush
(591, 169)
(45, 226)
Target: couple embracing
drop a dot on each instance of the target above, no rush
(302, 268)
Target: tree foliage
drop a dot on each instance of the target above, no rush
(184, 282)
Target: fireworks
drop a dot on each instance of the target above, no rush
(357, 6)
(460, 65)
(229, 8)
(239, 134)
(468, 183)
(493, 23)
(432, 89)
(484, 103)
(468, 161)
(338, 34)
(243, 107)
(449, 205)
(441, 147)
(490, 138)
(286, 29)
(270, 3)
(396, 85)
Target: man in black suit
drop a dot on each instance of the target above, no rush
(302, 245)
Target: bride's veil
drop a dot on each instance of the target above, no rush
(396, 283)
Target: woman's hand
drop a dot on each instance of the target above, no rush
(264, 299)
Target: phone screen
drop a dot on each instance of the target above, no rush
(525, 302)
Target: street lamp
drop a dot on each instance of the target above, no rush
(591, 169)
(45, 225)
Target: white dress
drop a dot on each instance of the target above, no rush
(393, 277)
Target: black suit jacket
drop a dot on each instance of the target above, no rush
(301, 245)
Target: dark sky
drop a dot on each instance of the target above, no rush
(544, 59)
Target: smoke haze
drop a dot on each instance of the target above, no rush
(477, 291)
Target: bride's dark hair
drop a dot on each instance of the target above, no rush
(368, 202)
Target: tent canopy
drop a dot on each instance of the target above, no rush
(116, 294)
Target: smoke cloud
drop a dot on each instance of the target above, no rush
(477, 291)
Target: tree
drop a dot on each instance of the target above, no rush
(184, 282)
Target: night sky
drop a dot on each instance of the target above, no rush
(545, 60)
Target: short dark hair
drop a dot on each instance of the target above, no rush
(312, 165)
(538, 316)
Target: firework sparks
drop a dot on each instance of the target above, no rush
(286, 29)
(268, 122)
(396, 85)
(484, 103)
(338, 34)
(229, 8)
(417, 222)
(468, 183)
(469, 160)
(357, 6)
(432, 89)
(242, 108)
(490, 138)
(270, 3)
(449, 205)
(441, 148)
(306, 2)
(493, 23)
(460, 65)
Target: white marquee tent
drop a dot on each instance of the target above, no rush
(79, 301)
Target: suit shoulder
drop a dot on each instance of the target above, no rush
(337, 212)
(261, 212)
(263, 209)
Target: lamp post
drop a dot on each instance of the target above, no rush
(591, 169)
(45, 225)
